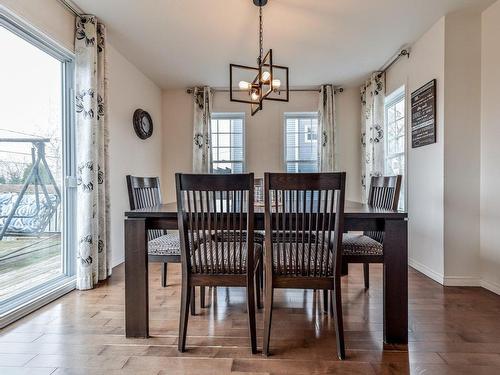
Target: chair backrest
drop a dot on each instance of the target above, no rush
(143, 192)
(384, 192)
(216, 219)
(304, 212)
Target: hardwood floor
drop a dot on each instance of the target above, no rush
(452, 331)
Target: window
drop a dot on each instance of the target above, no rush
(36, 155)
(301, 142)
(228, 142)
(395, 144)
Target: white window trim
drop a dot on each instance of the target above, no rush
(232, 116)
(285, 116)
(391, 99)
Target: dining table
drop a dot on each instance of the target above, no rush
(357, 217)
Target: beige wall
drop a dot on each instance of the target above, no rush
(264, 134)
(462, 108)
(49, 16)
(425, 166)
(129, 89)
(490, 151)
(444, 178)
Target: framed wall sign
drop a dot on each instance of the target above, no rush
(423, 115)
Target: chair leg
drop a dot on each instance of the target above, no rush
(366, 271)
(261, 274)
(183, 321)
(251, 312)
(202, 297)
(345, 269)
(268, 314)
(257, 291)
(193, 301)
(164, 275)
(257, 282)
(325, 300)
(339, 321)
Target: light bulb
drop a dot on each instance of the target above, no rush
(276, 84)
(255, 95)
(244, 85)
(266, 76)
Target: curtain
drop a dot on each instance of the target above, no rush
(327, 129)
(93, 251)
(372, 130)
(202, 156)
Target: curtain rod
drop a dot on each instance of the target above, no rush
(190, 90)
(405, 51)
(69, 5)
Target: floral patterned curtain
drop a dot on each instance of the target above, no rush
(93, 257)
(327, 129)
(372, 130)
(201, 129)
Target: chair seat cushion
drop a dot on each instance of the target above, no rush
(222, 257)
(293, 258)
(259, 236)
(168, 244)
(359, 244)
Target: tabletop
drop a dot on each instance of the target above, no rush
(351, 209)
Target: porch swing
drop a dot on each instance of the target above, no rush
(27, 213)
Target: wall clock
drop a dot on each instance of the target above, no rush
(143, 124)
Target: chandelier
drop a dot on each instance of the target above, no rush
(267, 81)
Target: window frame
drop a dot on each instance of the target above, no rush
(392, 100)
(229, 116)
(298, 115)
(20, 305)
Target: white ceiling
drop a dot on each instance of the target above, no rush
(179, 43)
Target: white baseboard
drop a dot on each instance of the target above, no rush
(462, 281)
(427, 271)
(492, 287)
(117, 262)
(454, 280)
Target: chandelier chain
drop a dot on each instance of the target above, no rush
(261, 36)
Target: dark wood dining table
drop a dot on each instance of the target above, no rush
(358, 217)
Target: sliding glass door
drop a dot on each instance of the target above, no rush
(36, 165)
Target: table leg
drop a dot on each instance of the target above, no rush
(396, 282)
(136, 279)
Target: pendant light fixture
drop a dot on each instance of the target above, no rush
(267, 81)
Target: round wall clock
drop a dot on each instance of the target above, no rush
(143, 124)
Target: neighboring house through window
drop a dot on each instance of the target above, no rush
(301, 142)
(228, 142)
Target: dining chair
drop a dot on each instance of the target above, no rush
(163, 246)
(299, 209)
(216, 219)
(368, 247)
